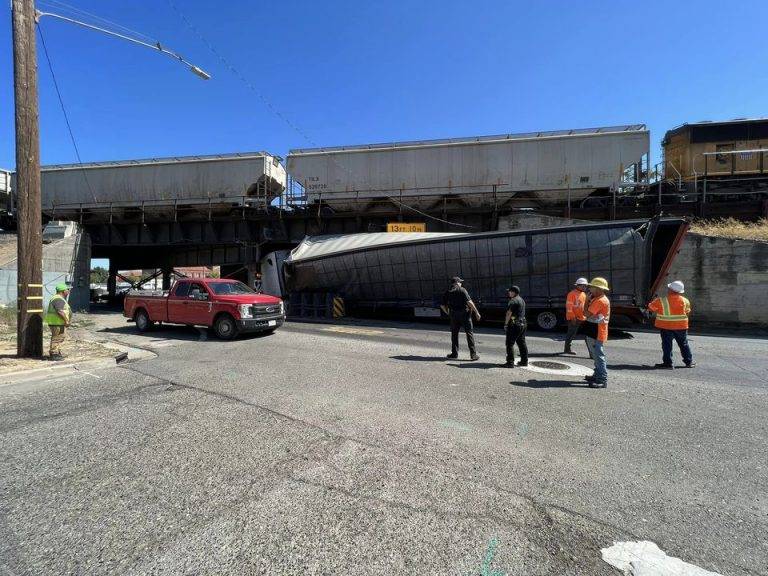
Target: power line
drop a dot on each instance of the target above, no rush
(64, 110)
(58, 5)
(428, 215)
(240, 76)
(274, 110)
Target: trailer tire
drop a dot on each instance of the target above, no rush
(225, 327)
(143, 323)
(546, 320)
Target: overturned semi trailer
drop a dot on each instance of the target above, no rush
(412, 270)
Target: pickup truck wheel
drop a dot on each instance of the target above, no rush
(546, 320)
(143, 323)
(225, 327)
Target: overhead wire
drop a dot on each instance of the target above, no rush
(59, 5)
(409, 207)
(238, 75)
(64, 111)
(275, 111)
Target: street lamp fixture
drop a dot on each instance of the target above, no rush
(200, 72)
(157, 46)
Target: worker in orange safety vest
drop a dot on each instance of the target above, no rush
(595, 328)
(672, 313)
(575, 303)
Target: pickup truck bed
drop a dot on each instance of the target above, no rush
(228, 307)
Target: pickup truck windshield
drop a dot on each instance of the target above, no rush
(222, 288)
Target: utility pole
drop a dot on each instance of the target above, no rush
(29, 332)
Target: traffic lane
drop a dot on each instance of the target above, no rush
(144, 476)
(658, 458)
(556, 446)
(720, 360)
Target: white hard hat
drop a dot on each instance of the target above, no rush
(581, 281)
(676, 286)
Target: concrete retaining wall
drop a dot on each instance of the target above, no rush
(67, 260)
(532, 220)
(726, 280)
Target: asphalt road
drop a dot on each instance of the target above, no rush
(361, 450)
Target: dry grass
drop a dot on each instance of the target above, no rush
(732, 228)
(8, 318)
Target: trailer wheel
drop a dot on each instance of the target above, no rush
(546, 320)
(143, 323)
(225, 327)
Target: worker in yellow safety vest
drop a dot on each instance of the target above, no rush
(58, 317)
(575, 304)
(672, 313)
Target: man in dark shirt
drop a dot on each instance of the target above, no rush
(515, 324)
(460, 310)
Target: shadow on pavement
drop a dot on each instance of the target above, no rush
(551, 384)
(619, 334)
(476, 365)
(631, 367)
(412, 358)
(174, 332)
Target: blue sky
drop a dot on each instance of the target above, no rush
(354, 72)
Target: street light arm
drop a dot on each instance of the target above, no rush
(198, 71)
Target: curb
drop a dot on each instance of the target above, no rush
(11, 378)
(34, 374)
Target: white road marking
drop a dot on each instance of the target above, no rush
(645, 558)
(86, 372)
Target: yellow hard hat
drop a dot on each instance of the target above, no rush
(599, 282)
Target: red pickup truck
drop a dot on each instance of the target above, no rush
(227, 306)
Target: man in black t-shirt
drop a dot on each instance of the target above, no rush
(460, 310)
(515, 324)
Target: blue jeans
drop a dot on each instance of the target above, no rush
(597, 349)
(679, 336)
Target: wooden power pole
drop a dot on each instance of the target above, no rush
(29, 209)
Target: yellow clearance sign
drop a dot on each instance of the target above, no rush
(406, 227)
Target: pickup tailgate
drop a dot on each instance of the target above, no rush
(156, 305)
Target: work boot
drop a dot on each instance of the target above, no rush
(665, 366)
(452, 356)
(474, 357)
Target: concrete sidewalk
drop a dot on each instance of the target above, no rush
(84, 349)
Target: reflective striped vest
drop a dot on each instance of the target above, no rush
(671, 312)
(574, 305)
(52, 318)
(601, 307)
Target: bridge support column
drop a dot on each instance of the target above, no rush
(252, 270)
(166, 267)
(167, 277)
(112, 280)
